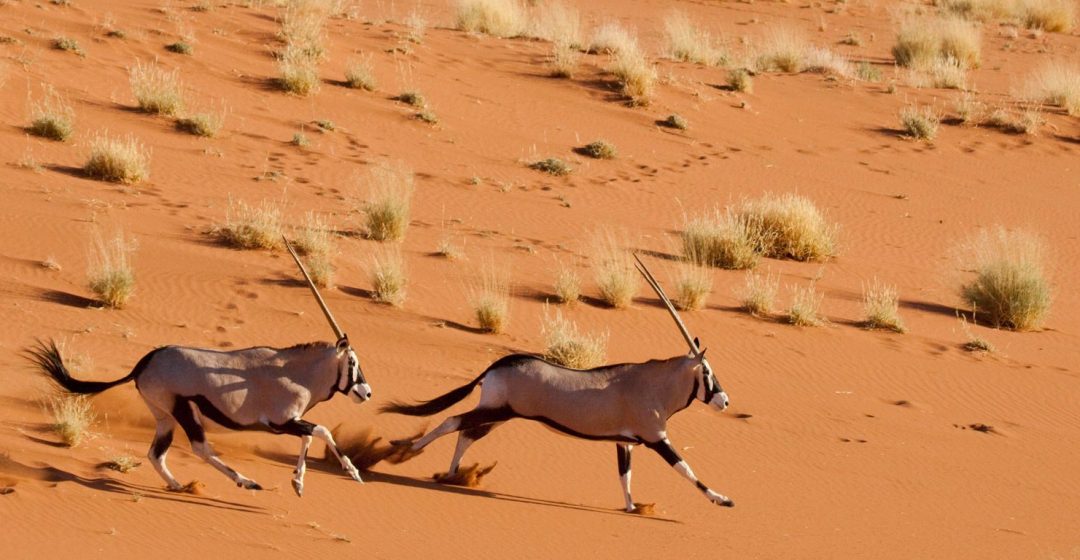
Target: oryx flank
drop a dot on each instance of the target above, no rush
(625, 403)
(257, 388)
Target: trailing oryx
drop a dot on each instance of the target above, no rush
(257, 388)
(625, 403)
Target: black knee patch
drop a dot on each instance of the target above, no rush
(624, 459)
(161, 444)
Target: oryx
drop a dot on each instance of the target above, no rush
(625, 403)
(258, 388)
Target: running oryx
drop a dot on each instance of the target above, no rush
(257, 388)
(625, 403)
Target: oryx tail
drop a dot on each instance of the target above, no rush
(47, 357)
(438, 404)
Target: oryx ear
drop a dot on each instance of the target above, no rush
(702, 354)
(343, 343)
(697, 342)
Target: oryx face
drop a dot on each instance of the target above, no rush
(710, 391)
(350, 378)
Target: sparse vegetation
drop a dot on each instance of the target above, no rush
(611, 38)
(490, 299)
(427, 116)
(299, 70)
(689, 43)
(968, 109)
(567, 285)
(692, 287)
(974, 342)
(300, 140)
(1058, 84)
(636, 75)
(867, 72)
(68, 44)
(1010, 288)
(388, 276)
(784, 50)
(359, 74)
(791, 226)
(920, 42)
(315, 241)
(122, 464)
(759, 293)
(945, 73)
(567, 346)
(739, 79)
(600, 149)
(1056, 16)
(180, 47)
(52, 117)
(1020, 121)
(206, 124)
(72, 418)
(119, 160)
(614, 271)
(805, 307)
(920, 123)
(251, 227)
(412, 98)
(156, 90)
(556, 22)
(498, 18)
(390, 189)
(416, 25)
(881, 307)
(109, 273)
(723, 239)
(552, 166)
(675, 121)
(564, 60)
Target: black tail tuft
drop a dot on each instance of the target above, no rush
(47, 358)
(438, 404)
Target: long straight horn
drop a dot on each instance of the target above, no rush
(315, 291)
(644, 270)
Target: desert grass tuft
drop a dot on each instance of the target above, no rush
(946, 73)
(389, 189)
(689, 43)
(552, 166)
(1056, 83)
(567, 285)
(564, 60)
(412, 98)
(119, 160)
(315, 241)
(881, 307)
(303, 25)
(784, 50)
(636, 75)
(72, 418)
(969, 110)
(692, 286)
(207, 124)
(557, 22)
(920, 42)
(388, 276)
(600, 149)
(180, 47)
(52, 117)
(299, 71)
(68, 44)
(1010, 288)
(109, 274)
(1019, 121)
(359, 74)
(723, 239)
(789, 226)
(251, 227)
(1057, 16)
(490, 299)
(759, 293)
(156, 90)
(974, 342)
(567, 346)
(613, 270)
(122, 464)
(805, 307)
(920, 123)
(611, 38)
(498, 18)
(739, 79)
(675, 121)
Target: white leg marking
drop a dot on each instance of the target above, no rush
(164, 426)
(449, 425)
(301, 465)
(204, 450)
(322, 433)
(463, 443)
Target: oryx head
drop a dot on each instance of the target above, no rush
(350, 378)
(709, 390)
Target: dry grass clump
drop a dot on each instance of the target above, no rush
(567, 285)
(390, 189)
(881, 306)
(207, 124)
(675, 121)
(416, 24)
(52, 117)
(122, 464)
(759, 293)
(600, 149)
(805, 307)
(1021, 121)
(251, 227)
(360, 75)
(412, 98)
(498, 18)
(920, 42)
(614, 271)
(611, 38)
(72, 418)
(946, 73)
(552, 166)
(636, 75)
(156, 90)
(180, 47)
(974, 342)
(564, 60)
(968, 109)
(315, 241)
(299, 71)
(791, 226)
(1010, 288)
(109, 273)
(119, 160)
(979, 10)
(723, 239)
(920, 123)
(558, 23)
(783, 50)
(825, 61)
(739, 79)
(490, 299)
(388, 276)
(689, 43)
(68, 44)
(569, 347)
(1057, 16)
(692, 287)
(1056, 83)
(303, 26)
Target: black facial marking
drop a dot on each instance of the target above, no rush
(161, 444)
(665, 450)
(624, 459)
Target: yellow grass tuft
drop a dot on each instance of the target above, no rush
(1048, 15)
(920, 123)
(723, 239)
(689, 43)
(783, 50)
(614, 271)
(692, 287)
(564, 60)
(567, 284)
(156, 90)
(882, 308)
(120, 160)
(490, 299)
(759, 293)
(360, 75)
(1010, 288)
(52, 117)
(315, 241)
(636, 75)
(920, 42)
(388, 276)
(390, 189)
(72, 417)
(946, 73)
(569, 347)
(791, 226)
(251, 227)
(303, 26)
(207, 124)
(122, 464)
(1056, 83)
(611, 38)
(299, 71)
(558, 23)
(498, 18)
(805, 307)
(110, 274)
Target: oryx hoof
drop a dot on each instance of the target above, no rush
(728, 503)
(249, 485)
(298, 487)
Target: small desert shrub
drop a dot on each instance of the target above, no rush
(1048, 15)
(686, 42)
(852, 38)
(558, 23)
(791, 226)
(784, 51)
(979, 10)
(299, 71)
(824, 61)
(1056, 84)
(315, 241)
(867, 72)
(68, 44)
(974, 342)
(636, 75)
(360, 75)
(303, 26)
(676, 121)
(723, 239)
(72, 418)
(567, 285)
(52, 117)
(614, 271)
(564, 60)
(490, 299)
(326, 125)
(567, 346)
(692, 287)
(739, 79)
(390, 189)
(552, 166)
(1024, 121)
(300, 139)
(416, 23)
(920, 42)
(600, 149)
(920, 122)
(968, 109)
(498, 18)
(759, 293)
(109, 273)
(945, 73)
(388, 277)
(881, 307)
(412, 98)
(118, 160)
(251, 227)
(156, 90)
(447, 249)
(1010, 288)
(122, 464)
(206, 124)
(805, 307)
(427, 116)
(611, 38)
(180, 47)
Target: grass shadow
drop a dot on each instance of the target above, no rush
(68, 299)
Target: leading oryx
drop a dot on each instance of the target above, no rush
(625, 403)
(257, 388)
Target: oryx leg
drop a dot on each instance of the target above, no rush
(185, 415)
(665, 450)
(303, 427)
(624, 450)
(163, 436)
(470, 420)
(467, 438)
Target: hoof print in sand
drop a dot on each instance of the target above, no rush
(979, 427)
(4, 490)
(468, 477)
(194, 488)
(643, 509)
